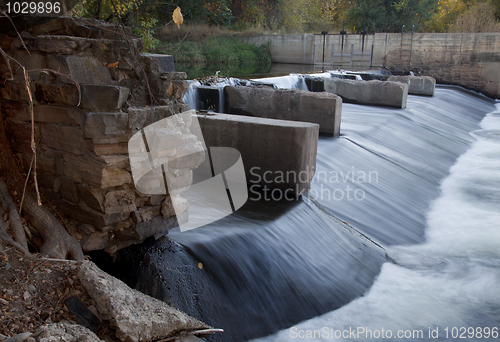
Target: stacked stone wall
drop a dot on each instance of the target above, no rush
(81, 132)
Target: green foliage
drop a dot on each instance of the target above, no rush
(390, 15)
(227, 54)
(143, 31)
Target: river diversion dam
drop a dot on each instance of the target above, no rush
(397, 238)
(395, 235)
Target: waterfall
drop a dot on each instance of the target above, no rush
(191, 96)
(437, 289)
(293, 81)
(318, 263)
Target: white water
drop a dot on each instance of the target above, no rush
(451, 281)
(191, 95)
(285, 82)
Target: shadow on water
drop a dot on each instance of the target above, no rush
(264, 268)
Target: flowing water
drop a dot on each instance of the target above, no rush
(319, 263)
(445, 279)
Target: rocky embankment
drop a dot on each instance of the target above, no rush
(46, 300)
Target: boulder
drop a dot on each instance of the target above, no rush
(135, 316)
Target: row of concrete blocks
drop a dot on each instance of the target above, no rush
(285, 123)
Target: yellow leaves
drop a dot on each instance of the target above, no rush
(177, 16)
(170, 89)
(200, 265)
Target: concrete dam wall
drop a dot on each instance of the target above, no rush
(467, 59)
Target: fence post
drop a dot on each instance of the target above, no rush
(331, 62)
(352, 52)
(314, 55)
(371, 56)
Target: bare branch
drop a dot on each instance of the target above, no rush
(15, 28)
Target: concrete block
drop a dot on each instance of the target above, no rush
(270, 148)
(103, 97)
(286, 104)
(381, 93)
(417, 85)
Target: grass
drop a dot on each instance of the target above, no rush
(203, 47)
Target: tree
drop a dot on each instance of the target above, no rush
(390, 15)
(478, 18)
(57, 242)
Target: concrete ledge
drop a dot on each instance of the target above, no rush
(286, 104)
(381, 93)
(417, 85)
(275, 153)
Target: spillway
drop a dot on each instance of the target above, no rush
(381, 241)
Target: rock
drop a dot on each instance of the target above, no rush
(157, 62)
(103, 97)
(106, 149)
(19, 337)
(119, 201)
(105, 128)
(150, 321)
(84, 213)
(65, 332)
(69, 190)
(167, 207)
(95, 241)
(44, 113)
(57, 94)
(52, 44)
(93, 197)
(92, 172)
(149, 212)
(84, 70)
(31, 288)
(83, 315)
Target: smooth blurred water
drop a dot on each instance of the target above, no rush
(449, 283)
(389, 176)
